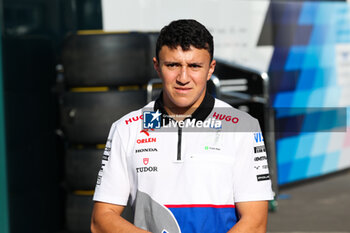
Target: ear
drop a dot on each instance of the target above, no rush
(211, 69)
(156, 66)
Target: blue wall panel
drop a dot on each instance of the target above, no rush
(305, 86)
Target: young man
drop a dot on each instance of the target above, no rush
(182, 179)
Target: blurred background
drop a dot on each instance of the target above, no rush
(69, 68)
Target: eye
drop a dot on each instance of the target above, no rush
(196, 66)
(170, 65)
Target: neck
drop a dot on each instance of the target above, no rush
(180, 113)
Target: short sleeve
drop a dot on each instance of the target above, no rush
(251, 173)
(113, 184)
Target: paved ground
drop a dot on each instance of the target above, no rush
(321, 205)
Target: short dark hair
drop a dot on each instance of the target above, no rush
(184, 33)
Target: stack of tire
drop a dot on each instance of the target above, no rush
(105, 77)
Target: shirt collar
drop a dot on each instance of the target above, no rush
(200, 114)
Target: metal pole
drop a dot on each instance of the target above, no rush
(4, 211)
(269, 120)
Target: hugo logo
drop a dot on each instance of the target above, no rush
(226, 118)
(132, 119)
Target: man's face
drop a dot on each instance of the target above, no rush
(184, 75)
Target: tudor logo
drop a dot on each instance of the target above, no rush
(145, 161)
(146, 169)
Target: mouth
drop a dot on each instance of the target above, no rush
(183, 89)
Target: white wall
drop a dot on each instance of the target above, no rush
(235, 25)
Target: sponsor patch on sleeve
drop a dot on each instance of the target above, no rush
(259, 149)
(263, 177)
(260, 158)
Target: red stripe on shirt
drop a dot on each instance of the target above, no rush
(200, 205)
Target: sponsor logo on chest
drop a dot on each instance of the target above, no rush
(146, 168)
(133, 119)
(148, 139)
(142, 150)
(223, 117)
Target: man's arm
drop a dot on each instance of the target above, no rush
(252, 217)
(106, 219)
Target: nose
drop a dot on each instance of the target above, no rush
(183, 77)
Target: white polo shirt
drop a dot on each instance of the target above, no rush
(184, 179)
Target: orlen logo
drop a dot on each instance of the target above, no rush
(226, 118)
(132, 119)
(145, 131)
(146, 140)
(258, 137)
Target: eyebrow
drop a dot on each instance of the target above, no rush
(175, 62)
(197, 63)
